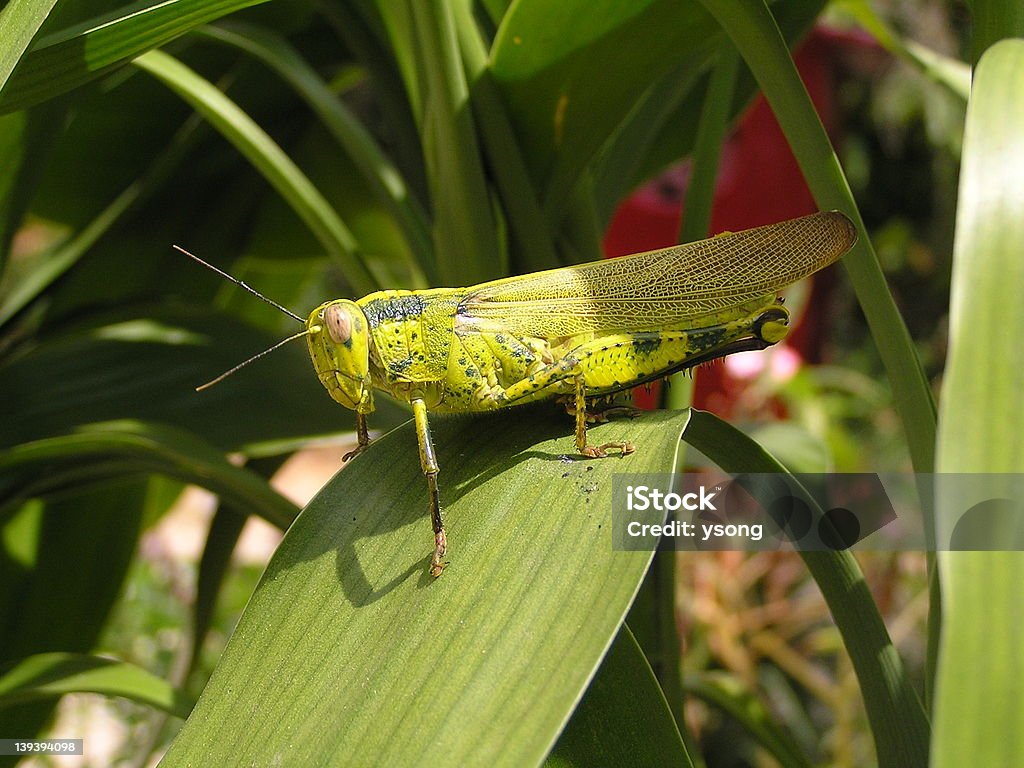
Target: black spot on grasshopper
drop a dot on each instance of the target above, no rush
(709, 338)
(400, 366)
(647, 345)
(396, 309)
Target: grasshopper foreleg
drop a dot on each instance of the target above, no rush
(428, 462)
(363, 434)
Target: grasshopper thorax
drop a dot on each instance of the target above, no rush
(339, 345)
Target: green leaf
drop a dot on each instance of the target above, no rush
(145, 364)
(79, 54)
(530, 238)
(979, 711)
(77, 549)
(270, 160)
(756, 35)
(663, 126)
(138, 447)
(50, 675)
(348, 650)
(62, 257)
(377, 169)
(465, 231)
(898, 721)
(711, 136)
(571, 71)
(623, 718)
(19, 22)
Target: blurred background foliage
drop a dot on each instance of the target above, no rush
(361, 164)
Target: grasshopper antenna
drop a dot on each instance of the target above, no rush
(255, 357)
(250, 289)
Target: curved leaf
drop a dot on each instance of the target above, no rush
(72, 566)
(269, 159)
(382, 177)
(49, 675)
(145, 364)
(348, 650)
(571, 71)
(756, 35)
(140, 447)
(79, 54)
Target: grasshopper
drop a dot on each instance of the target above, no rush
(577, 332)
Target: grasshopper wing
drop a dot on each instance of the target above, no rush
(659, 289)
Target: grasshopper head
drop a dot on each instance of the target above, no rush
(339, 343)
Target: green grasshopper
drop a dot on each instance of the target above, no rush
(578, 332)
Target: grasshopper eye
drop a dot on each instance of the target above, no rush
(339, 325)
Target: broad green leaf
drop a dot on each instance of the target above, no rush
(348, 650)
(652, 622)
(129, 447)
(269, 159)
(145, 364)
(623, 718)
(898, 721)
(979, 709)
(81, 53)
(756, 36)
(51, 675)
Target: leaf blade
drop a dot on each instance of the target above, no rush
(978, 707)
(50, 675)
(381, 662)
(75, 56)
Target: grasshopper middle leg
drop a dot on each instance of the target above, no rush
(428, 462)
